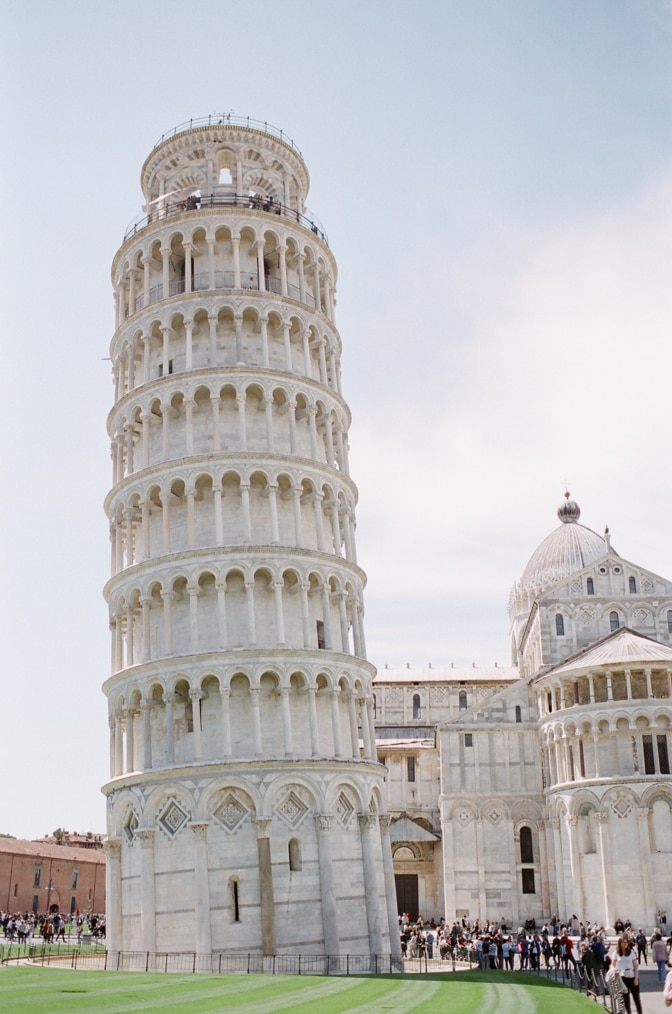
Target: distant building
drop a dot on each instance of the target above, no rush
(542, 788)
(38, 877)
(73, 839)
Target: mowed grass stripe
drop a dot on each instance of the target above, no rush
(407, 997)
(114, 992)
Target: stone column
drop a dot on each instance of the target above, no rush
(265, 359)
(145, 835)
(559, 867)
(390, 889)
(323, 825)
(354, 730)
(114, 923)
(644, 866)
(336, 722)
(286, 720)
(170, 729)
(202, 930)
(251, 624)
(189, 340)
(221, 613)
(146, 736)
(366, 728)
(312, 719)
(326, 613)
(305, 615)
(225, 695)
(235, 241)
(543, 862)
(368, 827)
(256, 721)
(195, 697)
(579, 905)
(130, 740)
(602, 821)
(273, 505)
(268, 418)
(267, 900)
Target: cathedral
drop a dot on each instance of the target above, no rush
(543, 787)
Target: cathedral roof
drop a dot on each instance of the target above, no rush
(564, 552)
(622, 647)
(405, 829)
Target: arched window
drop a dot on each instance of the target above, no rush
(526, 849)
(669, 621)
(416, 705)
(632, 584)
(375, 707)
(463, 700)
(559, 624)
(590, 586)
(519, 713)
(294, 854)
(614, 622)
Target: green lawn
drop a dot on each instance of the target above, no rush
(52, 990)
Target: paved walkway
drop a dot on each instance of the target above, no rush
(651, 992)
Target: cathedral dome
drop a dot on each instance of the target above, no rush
(568, 549)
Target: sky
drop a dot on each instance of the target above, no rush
(495, 177)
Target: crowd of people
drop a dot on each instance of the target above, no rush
(29, 927)
(552, 946)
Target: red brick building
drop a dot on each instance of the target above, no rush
(36, 877)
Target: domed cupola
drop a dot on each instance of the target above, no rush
(568, 549)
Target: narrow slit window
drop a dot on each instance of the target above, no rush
(614, 622)
(559, 624)
(526, 847)
(590, 586)
(632, 584)
(663, 755)
(416, 706)
(294, 855)
(410, 769)
(463, 700)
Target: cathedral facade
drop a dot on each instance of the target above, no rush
(545, 787)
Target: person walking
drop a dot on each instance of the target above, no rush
(659, 955)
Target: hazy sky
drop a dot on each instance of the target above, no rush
(496, 182)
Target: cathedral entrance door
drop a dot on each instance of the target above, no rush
(407, 893)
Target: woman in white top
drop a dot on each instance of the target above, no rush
(628, 969)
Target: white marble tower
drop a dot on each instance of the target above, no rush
(245, 809)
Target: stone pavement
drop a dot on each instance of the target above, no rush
(651, 992)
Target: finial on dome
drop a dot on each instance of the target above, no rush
(569, 512)
(607, 538)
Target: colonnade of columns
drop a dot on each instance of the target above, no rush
(131, 745)
(297, 277)
(577, 756)
(136, 446)
(132, 642)
(378, 884)
(313, 520)
(605, 686)
(302, 353)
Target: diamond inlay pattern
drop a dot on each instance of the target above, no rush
(173, 818)
(344, 810)
(231, 812)
(130, 826)
(292, 809)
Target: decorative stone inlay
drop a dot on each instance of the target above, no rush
(344, 810)
(577, 586)
(465, 816)
(494, 816)
(292, 809)
(173, 818)
(231, 812)
(438, 695)
(621, 806)
(641, 616)
(647, 584)
(586, 614)
(130, 825)
(394, 696)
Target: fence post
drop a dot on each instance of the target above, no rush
(347, 964)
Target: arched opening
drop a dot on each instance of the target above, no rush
(526, 846)
(294, 849)
(416, 706)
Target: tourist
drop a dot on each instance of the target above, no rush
(659, 955)
(627, 968)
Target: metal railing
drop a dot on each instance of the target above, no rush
(170, 209)
(229, 120)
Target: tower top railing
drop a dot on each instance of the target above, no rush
(251, 202)
(229, 120)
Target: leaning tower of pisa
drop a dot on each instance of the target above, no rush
(244, 802)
